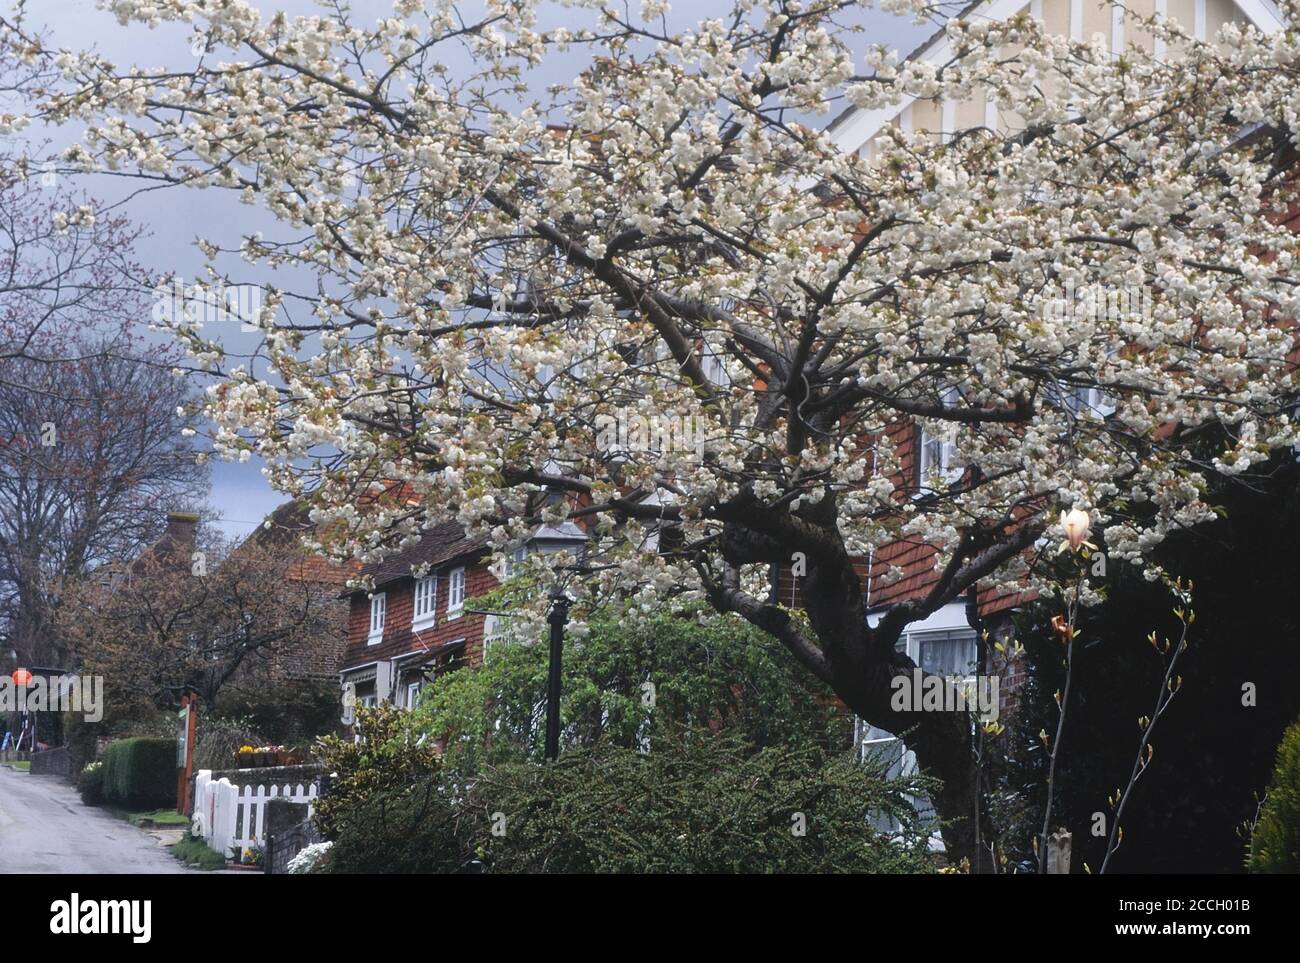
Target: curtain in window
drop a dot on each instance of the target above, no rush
(948, 653)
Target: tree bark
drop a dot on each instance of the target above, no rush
(863, 664)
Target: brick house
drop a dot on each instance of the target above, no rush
(947, 642)
(410, 629)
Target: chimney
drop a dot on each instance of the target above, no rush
(178, 539)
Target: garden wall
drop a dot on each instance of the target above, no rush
(52, 762)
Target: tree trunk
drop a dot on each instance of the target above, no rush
(862, 665)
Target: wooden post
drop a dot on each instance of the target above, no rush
(1058, 852)
(186, 728)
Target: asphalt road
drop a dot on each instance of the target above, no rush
(45, 828)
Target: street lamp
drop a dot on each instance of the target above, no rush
(557, 617)
(547, 540)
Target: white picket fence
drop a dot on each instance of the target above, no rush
(231, 818)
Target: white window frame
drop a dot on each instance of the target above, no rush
(1096, 400)
(455, 598)
(936, 456)
(948, 621)
(915, 640)
(879, 745)
(424, 603)
(413, 693)
(378, 616)
(1077, 399)
(713, 362)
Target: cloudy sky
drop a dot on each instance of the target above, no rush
(175, 218)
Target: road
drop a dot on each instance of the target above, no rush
(45, 828)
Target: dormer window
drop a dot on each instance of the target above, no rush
(426, 603)
(378, 606)
(455, 593)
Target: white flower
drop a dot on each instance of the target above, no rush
(1076, 524)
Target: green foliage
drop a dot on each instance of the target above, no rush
(386, 757)
(699, 802)
(194, 852)
(83, 737)
(702, 770)
(140, 773)
(286, 711)
(1275, 843)
(90, 784)
(629, 673)
(413, 829)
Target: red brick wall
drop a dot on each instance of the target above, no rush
(912, 555)
(398, 638)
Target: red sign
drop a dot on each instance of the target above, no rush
(22, 677)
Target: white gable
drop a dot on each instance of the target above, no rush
(854, 128)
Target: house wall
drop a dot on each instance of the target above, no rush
(905, 568)
(320, 657)
(1080, 19)
(410, 648)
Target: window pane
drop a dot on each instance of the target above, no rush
(456, 589)
(949, 653)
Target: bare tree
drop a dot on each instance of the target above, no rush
(174, 620)
(91, 456)
(91, 446)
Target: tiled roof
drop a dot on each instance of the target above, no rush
(283, 529)
(284, 526)
(444, 542)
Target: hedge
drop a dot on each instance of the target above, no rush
(90, 783)
(140, 773)
(1275, 845)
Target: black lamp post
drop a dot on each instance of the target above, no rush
(558, 617)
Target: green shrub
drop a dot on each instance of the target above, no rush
(409, 830)
(140, 773)
(90, 783)
(632, 671)
(1275, 843)
(386, 757)
(696, 802)
(193, 851)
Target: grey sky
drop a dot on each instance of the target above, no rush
(175, 218)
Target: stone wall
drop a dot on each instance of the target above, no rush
(52, 762)
(288, 832)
